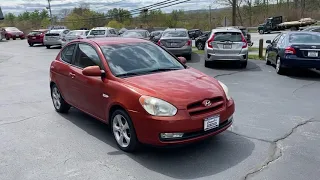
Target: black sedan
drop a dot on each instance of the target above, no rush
(294, 50)
(201, 40)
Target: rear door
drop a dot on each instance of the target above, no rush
(227, 42)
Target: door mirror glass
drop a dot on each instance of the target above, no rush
(268, 41)
(182, 60)
(92, 71)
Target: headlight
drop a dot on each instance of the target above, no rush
(226, 90)
(157, 107)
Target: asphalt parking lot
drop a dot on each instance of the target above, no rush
(276, 133)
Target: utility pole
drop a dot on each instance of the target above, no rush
(49, 7)
(210, 17)
(234, 6)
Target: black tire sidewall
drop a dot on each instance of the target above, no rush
(64, 106)
(133, 139)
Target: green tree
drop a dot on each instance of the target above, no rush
(119, 14)
(10, 19)
(115, 24)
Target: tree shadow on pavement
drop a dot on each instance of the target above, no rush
(191, 161)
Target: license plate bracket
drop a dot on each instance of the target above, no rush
(211, 122)
(174, 44)
(312, 53)
(227, 46)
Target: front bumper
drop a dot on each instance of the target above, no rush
(149, 128)
(180, 51)
(21, 36)
(296, 62)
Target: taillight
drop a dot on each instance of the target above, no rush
(159, 43)
(244, 42)
(210, 41)
(290, 50)
(189, 43)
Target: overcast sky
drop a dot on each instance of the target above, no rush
(18, 6)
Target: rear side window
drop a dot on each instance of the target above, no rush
(87, 56)
(228, 36)
(97, 32)
(67, 53)
(112, 31)
(304, 38)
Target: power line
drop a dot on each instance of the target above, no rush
(151, 7)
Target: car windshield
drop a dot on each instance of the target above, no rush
(12, 29)
(304, 38)
(76, 33)
(97, 32)
(228, 36)
(138, 58)
(54, 31)
(175, 34)
(141, 34)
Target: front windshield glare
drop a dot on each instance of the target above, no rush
(138, 58)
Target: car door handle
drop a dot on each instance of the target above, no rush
(72, 75)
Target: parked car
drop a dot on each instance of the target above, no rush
(54, 37)
(176, 41)
(300, 49)
(36, 36)
(226, 44)
(99, 32)
(244, 31)
(137, 33)
(140, 90)
(155, 36)
(311, 29)
(194, 33)
(13, 33)
(75, 34)
(201, 40)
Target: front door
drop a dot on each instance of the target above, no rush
(89, 91)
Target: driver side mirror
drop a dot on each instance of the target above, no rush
(182, 60)
(268, 41)
(92, 71)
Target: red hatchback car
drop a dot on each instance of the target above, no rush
(36, 36)
(143, 92)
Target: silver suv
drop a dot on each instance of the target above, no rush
(176, 41)
(102, 32)
(226, 44)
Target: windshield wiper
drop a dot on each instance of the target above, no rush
(163, 69)
(127, 74)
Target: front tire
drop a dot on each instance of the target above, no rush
(123, 131)
(261, 32)
(48, 47)
(200, 46)
(59, 103)
(188, 56)
(266, 59)
(7, 38)
(30, 44)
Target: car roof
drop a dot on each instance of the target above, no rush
(137, 30)
(113, 40)
(101, 28)
(175, 29)
(226, 29)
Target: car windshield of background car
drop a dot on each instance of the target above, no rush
(76, 33)
(54, 32)
(304, 38)
(227, 36)
(35, 33)
(139, 58)
(134, 34)
(175, 34)
(12, 29)
(97, 32)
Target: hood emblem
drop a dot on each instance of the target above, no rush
(206, 103)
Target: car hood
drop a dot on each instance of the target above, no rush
(179, 87)
(15, 32)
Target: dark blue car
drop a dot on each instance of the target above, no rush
(294, 50)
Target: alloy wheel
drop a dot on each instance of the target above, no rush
(56, 98)
(200, 46)
(121, 131)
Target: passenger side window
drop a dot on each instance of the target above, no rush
(67, 53)
(87, 56)
(281, 39)
(112, 31)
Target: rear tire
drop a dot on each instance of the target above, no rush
(7, 38)
(123, 131)
(279, 69)
(30, 44)
(261, 32)
(266, 59)
(200, 46)
(59, 103)
(207, 64)
(188, 57)
(14, 38)
(48, 47)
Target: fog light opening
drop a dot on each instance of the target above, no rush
(171, 135)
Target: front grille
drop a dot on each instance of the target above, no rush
(197, 108)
